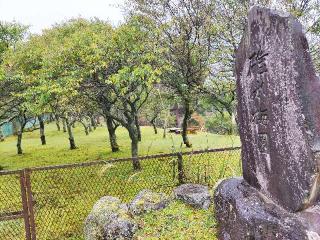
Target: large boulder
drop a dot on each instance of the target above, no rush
(244, 213)
(278, 110)
(109, 219)
(193, 194)
(147, 201)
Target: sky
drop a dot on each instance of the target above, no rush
(41, 14)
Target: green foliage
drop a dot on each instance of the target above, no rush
(220, 95)
(157, 108)
(12, 83)
(10, 34)
(135, 54)
(72, 55)
(221, 124)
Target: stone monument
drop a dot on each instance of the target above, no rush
(279, 124)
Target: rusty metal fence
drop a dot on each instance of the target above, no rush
(52, 202)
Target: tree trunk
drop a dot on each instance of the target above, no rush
(85, 127)
(86, 130)
(64, 125)
(1, 135)
(57, 123)
(15, 127)
(134, 154)
(186, 118)
(138, 128)
(19, 142)
(164, 132)
(133, 133)
(90, 127)
(21, 123)
(42, 135)
(93, 123)
(98, 123)
(154, 127)
(71, 138)
(112, 135)
(165, 125)
(51, 118)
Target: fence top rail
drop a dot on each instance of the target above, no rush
(11, 172)
(100, 162)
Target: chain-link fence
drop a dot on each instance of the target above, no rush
(14, 209)
(53, 202)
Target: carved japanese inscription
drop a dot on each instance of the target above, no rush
(258, 94)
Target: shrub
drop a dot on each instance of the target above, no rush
(221, 124)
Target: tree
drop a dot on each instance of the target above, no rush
(29, 61)
(12, 106)
(230, 18)
(187, 32)
(10, 34)
(152, 111)
(56, 79)
(76, 67)
(26, 63)
(84, 54)
(123, 85)
(157, 108)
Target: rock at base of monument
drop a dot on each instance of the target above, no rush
(195, 195)
(243, 213)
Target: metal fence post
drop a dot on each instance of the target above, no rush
(174, 170)
(180, 169)
(30, 204)
(25, 205)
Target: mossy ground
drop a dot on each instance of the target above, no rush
(177, 221)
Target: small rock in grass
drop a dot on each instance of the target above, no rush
(109, 219)
(193, 194)
(147, 201)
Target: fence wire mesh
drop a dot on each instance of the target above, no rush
(62, 196)
(11, 219)
(208, 167)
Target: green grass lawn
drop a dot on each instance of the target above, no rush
(96, 146)
(64, 197)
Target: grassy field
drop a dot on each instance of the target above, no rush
(64, 197)
(96, 146)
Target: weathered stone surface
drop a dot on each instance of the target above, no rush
(109, 219)
(194, 194)
(311, 217)
(119, 229)
(147, 201)
(244, 213)
(278, 110)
